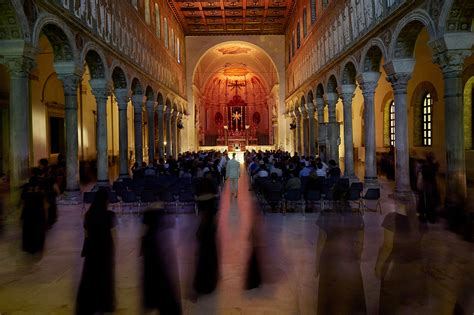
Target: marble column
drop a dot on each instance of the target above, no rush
(137, 102)
(292, 118)
(321, 127)
(311, 141)
(123, 96)
(347, 93)
(161, 131)
(20, 124)
(174, 134)
(399, 81)
(452, 64)
(168, 113)
(299, 146)
(70, 84)
(150, 110)
(304, 117)
(368, 82)
(101, 90)
(333, 127)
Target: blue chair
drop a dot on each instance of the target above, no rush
(372, 194)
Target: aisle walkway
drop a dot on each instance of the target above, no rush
(48, 285)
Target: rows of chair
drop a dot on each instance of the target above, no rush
(133, 195)
(335, 194)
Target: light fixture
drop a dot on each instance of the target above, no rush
(164, 142)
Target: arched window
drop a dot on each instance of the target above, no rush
(305, 22)
(166, 33)
(179, 50)
(313, 11)
(147, 12)
(427, 119)
(172, 42)
(157, 21)
(392, 122)
(298, 35)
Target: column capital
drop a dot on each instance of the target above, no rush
(399, 81)
(20, 66)
(310, 107)
(101, 88)
(137, 101)
(320, 102)
(332, 98)
(451, 61)
(160, 108)
(150, 105)
(70, 83)
(368, 81)
(122, 96)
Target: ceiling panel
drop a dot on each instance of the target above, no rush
(232, 16)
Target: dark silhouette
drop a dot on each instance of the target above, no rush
(160, 274)
(34, 214)
(205, 279)
(339, 249)
(97, 287)
(399, 264)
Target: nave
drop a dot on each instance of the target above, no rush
(287, 248)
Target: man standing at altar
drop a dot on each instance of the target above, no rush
(232, 173)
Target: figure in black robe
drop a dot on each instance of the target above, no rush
(97, 287)
(34, 215)
(160, 267)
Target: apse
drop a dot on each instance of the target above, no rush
(235, 83)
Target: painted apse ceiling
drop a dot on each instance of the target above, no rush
(235, 68)
(218, 17)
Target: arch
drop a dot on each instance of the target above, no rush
(95, 59)
(332, 84)
(159, 99)
(136, 87)
(14, 12)
(349, 72)
(59, 35)
(168, 103)
(319, 90)
(220, 45)
(406, 32)
(150, 95)
(303, 101)
(310, 97)
(372, 55)
(119, 78)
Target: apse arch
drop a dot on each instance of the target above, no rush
(237, 47)
(238, 81)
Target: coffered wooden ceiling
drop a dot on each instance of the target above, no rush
(222, 17)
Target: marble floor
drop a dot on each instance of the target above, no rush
(428, 272)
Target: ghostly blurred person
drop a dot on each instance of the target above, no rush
(97, 288)
(339, 249)
(161, 291)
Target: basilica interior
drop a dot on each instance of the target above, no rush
(114, 83)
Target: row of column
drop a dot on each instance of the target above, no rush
(20, 124)
(398, 74)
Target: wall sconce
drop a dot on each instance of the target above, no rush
(292, 126)
(164, 143)
(247, 126)
(226, 127)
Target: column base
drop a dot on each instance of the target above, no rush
(406, 196)
(122, 176)
(352, 178)
(70, 197)
(102, 183)
(371, 182)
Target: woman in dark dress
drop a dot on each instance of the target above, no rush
(160, 274)
(205, 279)
(97, 290)
(34, 214)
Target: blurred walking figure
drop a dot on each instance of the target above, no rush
(428, 187)
(97, 288)
(161, 291)
(34, 214)
(233, 174)
(207, 269)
